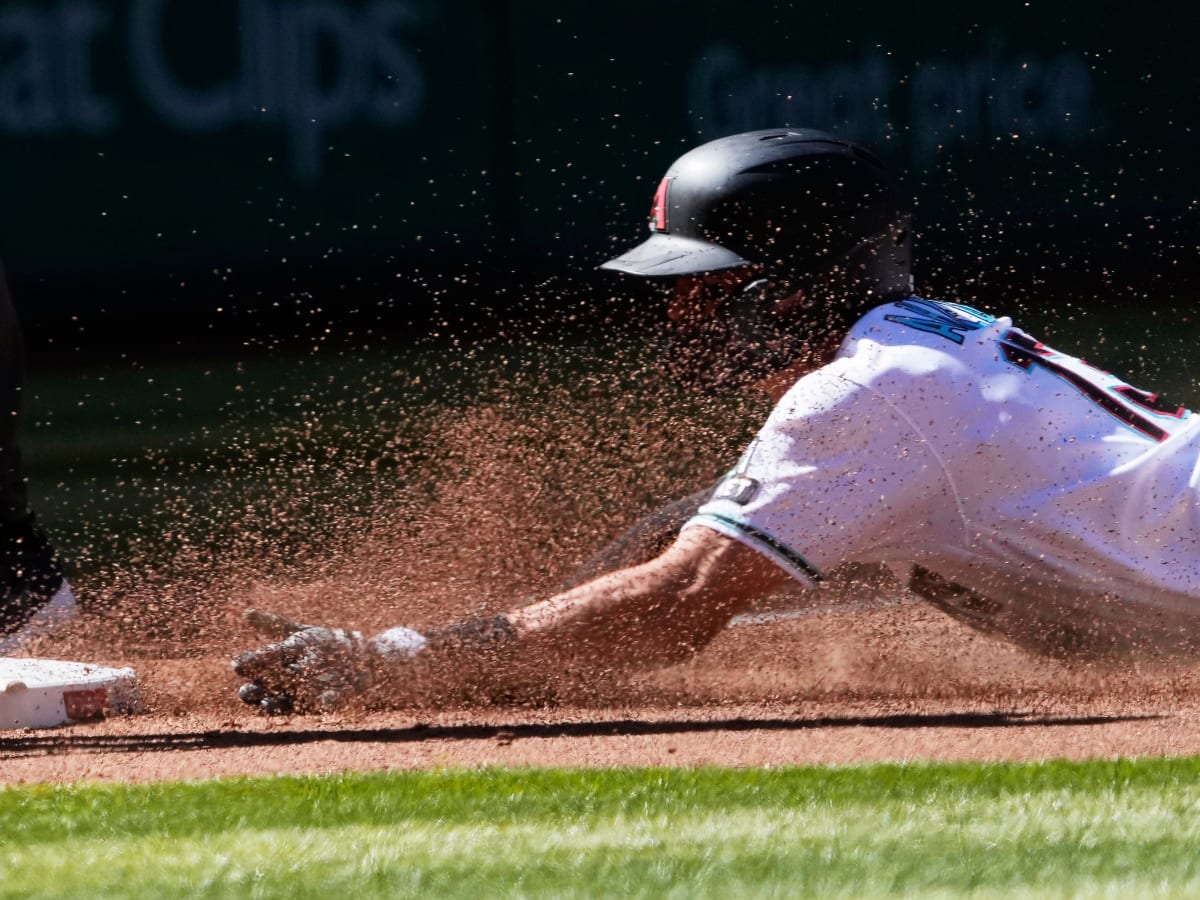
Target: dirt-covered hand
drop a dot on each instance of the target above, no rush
(310, 668)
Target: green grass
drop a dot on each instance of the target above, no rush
(1115, 828)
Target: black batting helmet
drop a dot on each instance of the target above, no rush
(801, 204)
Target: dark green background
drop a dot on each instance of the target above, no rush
(1041, 141)
(207, 317)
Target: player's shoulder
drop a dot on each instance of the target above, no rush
(919, 321)
(916, 338)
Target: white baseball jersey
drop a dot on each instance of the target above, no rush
(945, 437)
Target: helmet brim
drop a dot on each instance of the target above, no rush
(668, 255)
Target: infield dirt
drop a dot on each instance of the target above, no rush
(899, 684)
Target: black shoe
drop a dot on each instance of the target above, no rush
(26, 618)
(35, 599)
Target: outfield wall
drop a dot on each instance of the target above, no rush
(158, 150)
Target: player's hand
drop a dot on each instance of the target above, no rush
(309, 668)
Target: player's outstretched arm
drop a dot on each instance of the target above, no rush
(655, 613)
(642, 541)
(649, 615)
(652, 534)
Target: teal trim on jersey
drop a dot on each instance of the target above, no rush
(948, 320)
(798, 562)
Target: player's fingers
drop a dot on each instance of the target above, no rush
(253, 693)
(250, 664)
(331, 699)
(271, 624)
(271, 660)
(279, 704)
(271, 702)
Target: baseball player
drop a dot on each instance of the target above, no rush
(34, 597)
(1020, 489)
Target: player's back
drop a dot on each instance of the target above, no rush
(1070, 482)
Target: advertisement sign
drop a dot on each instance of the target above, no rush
(148, 141)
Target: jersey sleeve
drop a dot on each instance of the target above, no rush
(837, 473)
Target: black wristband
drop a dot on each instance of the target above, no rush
(482, 632)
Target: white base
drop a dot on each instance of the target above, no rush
(43, 693)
